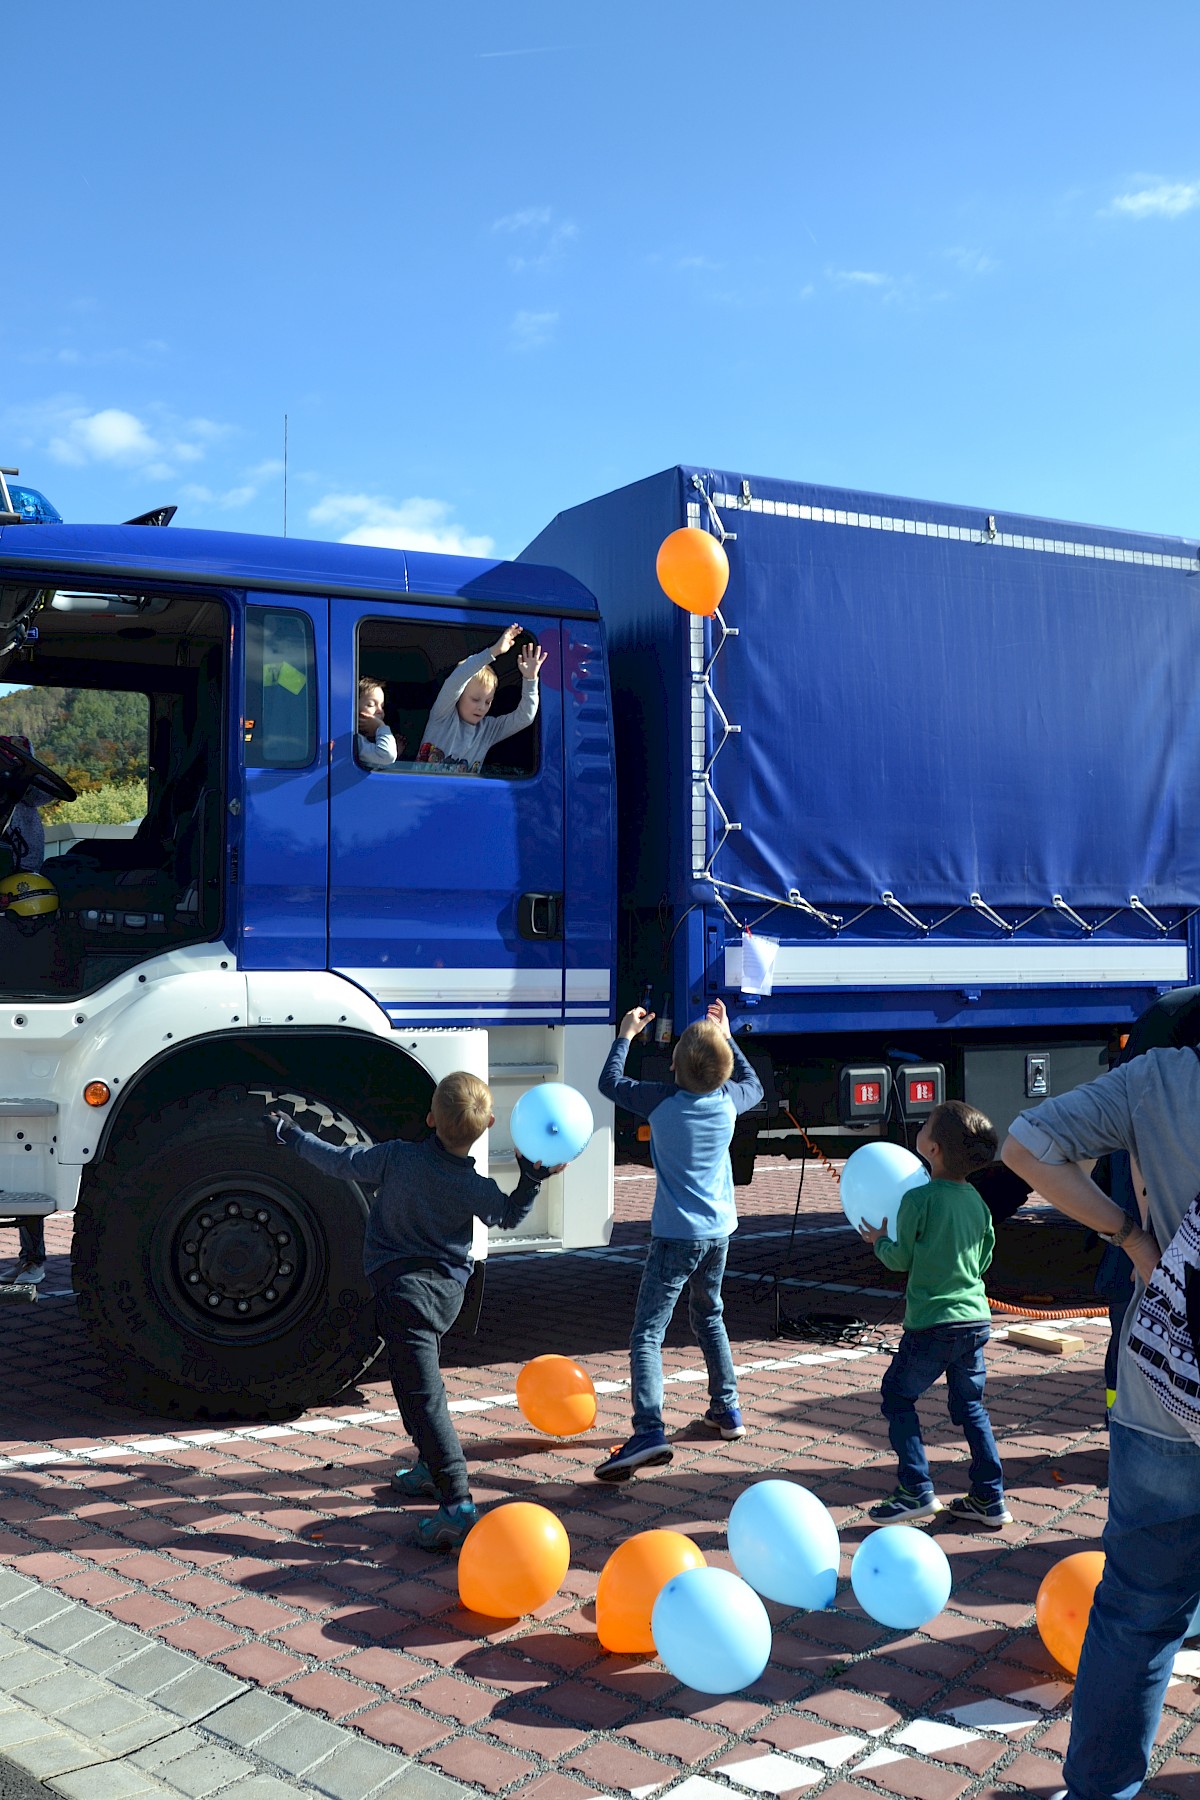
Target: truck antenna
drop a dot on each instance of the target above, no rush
(285, 474)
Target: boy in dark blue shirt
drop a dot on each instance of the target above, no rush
(418, 1259)
(694, 1216)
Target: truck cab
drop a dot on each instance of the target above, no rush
(288, 926)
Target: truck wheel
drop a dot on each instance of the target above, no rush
(742, 1152)
(219, 1274)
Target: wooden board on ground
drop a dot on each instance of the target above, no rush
(1045, 1339)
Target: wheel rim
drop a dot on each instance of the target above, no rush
(238, 1258)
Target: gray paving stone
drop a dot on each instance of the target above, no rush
(152, 1669)
(300, 1743)
(202, 1772)
(107, 1650)
(419, 1782)
(18, 1724)
(34, 1609)
(53, 1754)
(108, 1715)
(26, 1665)
(201, 1690)
(107, 1781)
(135, 1736)
(54, 1692)
(262, 1787)
(354, 1770)
(248, 1718)
(13, 1585)
(166, 1749)
(66, 1629)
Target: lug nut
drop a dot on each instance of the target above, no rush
(214, 1299)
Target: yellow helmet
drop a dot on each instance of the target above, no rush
(28, 895)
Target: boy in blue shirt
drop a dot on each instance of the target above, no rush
(694, 1216)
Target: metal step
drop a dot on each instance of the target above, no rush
(28, 1109)
(24, 1203)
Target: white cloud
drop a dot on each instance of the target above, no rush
(1166, 200)
(154, 443)
(412, 524)
(544, 238)
(530, 330)
(970, 262)
(860, 278)
(229, 499)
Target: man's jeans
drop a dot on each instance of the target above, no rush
(957, 1352)
(414, 1313)
(1142, 1609)
(673, 1264)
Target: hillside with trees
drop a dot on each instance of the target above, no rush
(96, 741)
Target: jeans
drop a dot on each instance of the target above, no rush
(32, 1234)
(414, 1312)
(1142, 1609)
(673, 1264)
(957, 1352)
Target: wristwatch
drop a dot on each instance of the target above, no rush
(1125, 1230)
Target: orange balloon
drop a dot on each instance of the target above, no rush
(693, 570)
(630, 1583)
(556, 1396)
(1064, 1604)
(512, 1561)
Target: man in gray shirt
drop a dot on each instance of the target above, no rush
(1151, 1585)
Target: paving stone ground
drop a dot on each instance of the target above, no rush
(274, 1553)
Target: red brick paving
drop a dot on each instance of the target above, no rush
(282, 1558)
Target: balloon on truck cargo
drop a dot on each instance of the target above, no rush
(693, 570)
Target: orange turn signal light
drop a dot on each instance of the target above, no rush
(97, 1093)
(643, 1134)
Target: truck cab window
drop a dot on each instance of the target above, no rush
(280, 723)
(431, 701)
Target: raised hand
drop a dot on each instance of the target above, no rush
(530, 661)
(506, 640)
(634, 1021)
(718, 1015)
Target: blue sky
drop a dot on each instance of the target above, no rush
(493, 260)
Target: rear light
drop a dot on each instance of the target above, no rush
(97, 1093)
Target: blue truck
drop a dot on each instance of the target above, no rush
(941, 762)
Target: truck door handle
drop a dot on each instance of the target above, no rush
(540, 916)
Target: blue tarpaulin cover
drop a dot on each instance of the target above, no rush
(929, 703)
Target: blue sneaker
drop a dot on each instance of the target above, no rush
(992, 1513)
(902, 1505)
(645, 1450)
(725, 1419)
(415, 1483)
(446, 1529)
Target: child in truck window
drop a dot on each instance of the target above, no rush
(375, 741)
(459, 733)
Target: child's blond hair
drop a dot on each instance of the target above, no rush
(703, 1059)
(367, 685)
(486, 676)
(462, 1108)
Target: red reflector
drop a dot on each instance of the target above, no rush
(866, 1093)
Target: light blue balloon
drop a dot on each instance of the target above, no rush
(711, 1631)
(785, 1544)
(551, 1124)
(874, 1181)
(901, 1577)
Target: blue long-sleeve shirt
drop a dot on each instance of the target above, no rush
(690, 1136)
(427, 1200)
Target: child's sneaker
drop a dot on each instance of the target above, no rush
(646, 1450)
(992, 1513)
(903, 1505)
(415, 1483)
(27, 1274)
(446, 1529)
(725, 1419)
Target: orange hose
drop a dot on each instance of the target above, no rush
(1062, 1312)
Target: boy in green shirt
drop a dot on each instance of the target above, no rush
(944, 1239)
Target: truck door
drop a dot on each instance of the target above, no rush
(445, 888)
(279, 859)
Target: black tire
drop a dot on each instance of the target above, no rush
(742, 1152)
(219, 1274)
